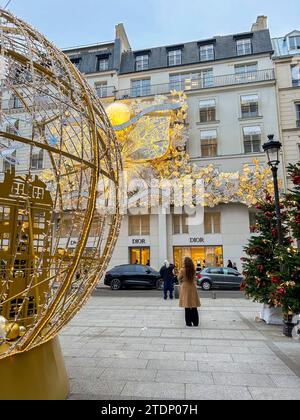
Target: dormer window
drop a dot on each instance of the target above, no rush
(102, 64)
(142, 62)
(207, 52)
(76, 62)
(294, 42)
(174, 58)
(244, 46)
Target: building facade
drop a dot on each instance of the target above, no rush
(287, 67)
(232, 107)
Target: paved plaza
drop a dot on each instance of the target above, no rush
(130, 348)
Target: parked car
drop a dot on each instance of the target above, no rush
(217, 277)
(133, 275)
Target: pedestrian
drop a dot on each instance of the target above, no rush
(234, 266)
(204, 264)
(167, 274)
(230, 265)
(148, 263)
(199, 267)
(136, 262)
(189, 298)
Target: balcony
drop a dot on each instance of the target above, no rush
(104, 91)
(201, 83)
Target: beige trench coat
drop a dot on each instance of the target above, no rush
(189, 297)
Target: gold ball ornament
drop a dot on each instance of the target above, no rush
(12, 331)
(118, 113)
(22, 331)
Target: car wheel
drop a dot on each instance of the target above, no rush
(159, 284)
(116, 284)
(206, 285)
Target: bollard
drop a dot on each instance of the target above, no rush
(214, 296)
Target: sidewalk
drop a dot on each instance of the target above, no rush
(139, 348)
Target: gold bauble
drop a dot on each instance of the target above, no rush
(118, 113)
(12, 331)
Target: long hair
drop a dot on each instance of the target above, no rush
(190, 270)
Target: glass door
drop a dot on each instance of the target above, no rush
(140, 256)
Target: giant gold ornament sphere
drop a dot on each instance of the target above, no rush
(53, 229)
(12, 331)
(118, 113)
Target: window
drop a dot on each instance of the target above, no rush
(16, 103)
(139, 225)
(252, 139)
(298, 115)
(140, 88)
(295, 42)
(209, 143)
(76, 62)
(18, 188)
(37, 159)
(207, 110)
(244, 46)
(207, 52)
(252, 219)
(38, 193)
(180, 226)
(249, 105)
(142, 62)
(11, 164)
(296, 76)
(246, 73)
(212, 223)
(191, 81)
(175, 58)
(207, 78)
(101, 89)
(102, 63)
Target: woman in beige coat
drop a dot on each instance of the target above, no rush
(189, 298)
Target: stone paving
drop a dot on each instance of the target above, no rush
(130, 348)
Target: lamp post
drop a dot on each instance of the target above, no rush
(272, 149)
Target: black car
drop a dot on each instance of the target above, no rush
(133, 275)
(217, 277)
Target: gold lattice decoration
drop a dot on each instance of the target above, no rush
(54, 246)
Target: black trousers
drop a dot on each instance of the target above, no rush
(192, 317)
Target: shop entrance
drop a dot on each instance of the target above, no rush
(140, 256)
(209, 256)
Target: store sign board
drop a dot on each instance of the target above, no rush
(139, 242)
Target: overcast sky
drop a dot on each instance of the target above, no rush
(151, 23)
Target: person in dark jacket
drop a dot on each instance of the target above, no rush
(230, 265)
(167, 274)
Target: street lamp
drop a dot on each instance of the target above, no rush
(272, 149)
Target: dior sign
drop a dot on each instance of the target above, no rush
(197, 240)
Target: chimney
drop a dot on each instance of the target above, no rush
(261, 24)
(122, 36)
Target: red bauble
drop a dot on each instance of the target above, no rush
(275, 279)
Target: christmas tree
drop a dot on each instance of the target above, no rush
(268, 267)
(291, 257)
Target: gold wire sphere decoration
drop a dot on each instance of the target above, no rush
(59, 154)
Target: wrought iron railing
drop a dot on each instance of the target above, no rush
(206, 82)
